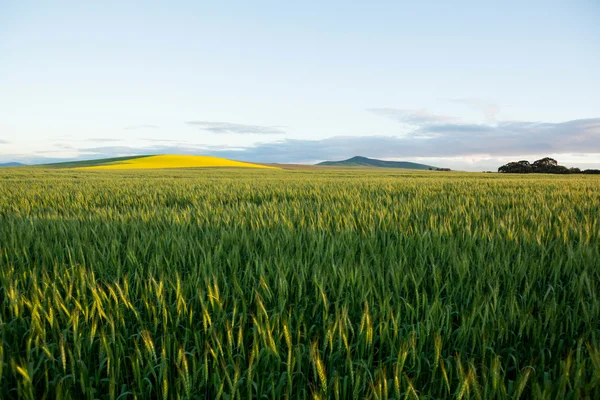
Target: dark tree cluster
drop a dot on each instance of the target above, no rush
(546, 165)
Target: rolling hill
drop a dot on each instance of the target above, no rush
(12, 164)
(359, 161)
(89, 163)
(164, 161)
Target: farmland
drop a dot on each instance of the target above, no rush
(162, 161)
(242, 283)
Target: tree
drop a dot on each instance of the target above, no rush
(525, 166)
(558, 169)
(521, 167)
(545, 165)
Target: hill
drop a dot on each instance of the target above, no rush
(89, 163)
(12, 164)
(164, 161)
(359, 161)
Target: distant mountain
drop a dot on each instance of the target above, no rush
(359, 161)
(12, 164)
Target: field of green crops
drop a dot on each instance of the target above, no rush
(206, 284)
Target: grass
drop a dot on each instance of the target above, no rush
(228, 284)
(166, 161)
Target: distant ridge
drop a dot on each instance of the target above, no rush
(359, 161)
(12, 164)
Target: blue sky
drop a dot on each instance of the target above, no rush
(465, 84)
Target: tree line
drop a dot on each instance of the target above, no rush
(545, 165)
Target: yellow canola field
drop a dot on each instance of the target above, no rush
(173, 161)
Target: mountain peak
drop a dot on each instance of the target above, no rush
(360, 161)
(358, 158)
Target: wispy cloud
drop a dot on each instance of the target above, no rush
(489, 109)
(411, 117)
(428, 140)
(64, 146)
(429, 136)
(111, 151)
(158, 140)
(103, 140)
(229, 127)
(142, 126)
(2, 141)
(431, 139)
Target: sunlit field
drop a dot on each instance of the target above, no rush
(168, 161)
(250, 283)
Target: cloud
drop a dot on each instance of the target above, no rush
(2, 141)
(113, 151)
(143, 126)
(489, 109)
(104, 139)
(411, 117)
(229, 127)
(511, 138)
(64, 146)
(430, 136)
(158, 140)
(439, 140)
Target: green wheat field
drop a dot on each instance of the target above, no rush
(337, 284)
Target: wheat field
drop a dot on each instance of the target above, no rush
(220, 284)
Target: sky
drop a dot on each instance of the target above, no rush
(468, 85)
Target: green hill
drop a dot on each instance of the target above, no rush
(12, 164)
(89, 163)
(359, 161)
